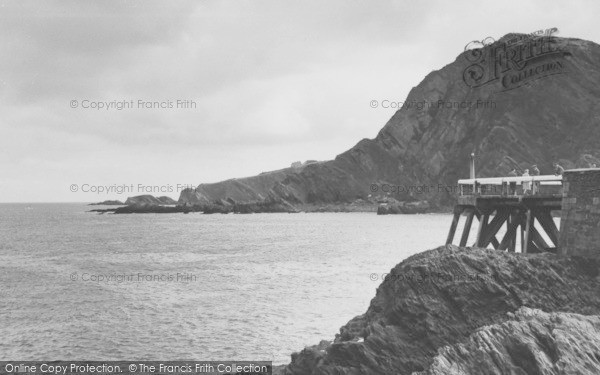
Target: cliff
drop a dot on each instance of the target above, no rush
(451, 296)
(538, 109)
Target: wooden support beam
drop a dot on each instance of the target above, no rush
(537, 238)
(467, 229)
(483, 222)
(457, 211)
(522, 226)
(509, 235)
(493, 227)
(495, 242)
(528, 224)
(545, 219)
(514, 218)
(534, 249)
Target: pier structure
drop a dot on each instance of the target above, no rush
(521, 204)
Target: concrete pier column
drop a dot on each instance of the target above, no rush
(580, 217)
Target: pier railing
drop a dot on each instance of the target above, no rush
(511, 186)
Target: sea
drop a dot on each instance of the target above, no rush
(76, 285)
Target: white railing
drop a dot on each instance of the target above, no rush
(530, 183)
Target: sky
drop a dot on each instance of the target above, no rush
(104, 100)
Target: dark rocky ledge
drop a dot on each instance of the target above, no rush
(456, 311)
(394, 208)
(107, 203)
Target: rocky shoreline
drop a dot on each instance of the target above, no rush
(471, 311)
(381, 207)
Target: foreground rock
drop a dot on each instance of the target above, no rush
(441, 298)
(530, 342)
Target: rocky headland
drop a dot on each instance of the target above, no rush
(414, 162)
(425, 147)
(471, 311)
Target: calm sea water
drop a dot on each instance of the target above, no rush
(196, 287)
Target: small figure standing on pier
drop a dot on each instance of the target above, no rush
(558, 170)
(526, 184)
(535, 172)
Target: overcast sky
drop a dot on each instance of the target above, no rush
(273, 82)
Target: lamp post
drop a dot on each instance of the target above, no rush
(472, 170)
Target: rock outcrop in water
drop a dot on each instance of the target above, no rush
(451, 296)
(143, 204)
(390, 208)
(425, 147)
(108, 203)
(150, 200)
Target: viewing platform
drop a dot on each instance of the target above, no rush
(515, 202)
